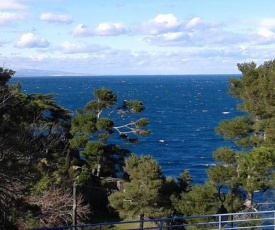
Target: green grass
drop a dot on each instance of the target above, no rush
(109, 218)
(122, 226)
(130, 226)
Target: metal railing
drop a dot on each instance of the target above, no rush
(242, 220)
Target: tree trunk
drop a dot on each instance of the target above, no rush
(249, 201)
(98, 170)
(141, 218)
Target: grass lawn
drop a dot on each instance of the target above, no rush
(103, 218)
(122, 225)
(130, 226)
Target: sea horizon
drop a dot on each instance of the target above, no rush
(54, 73)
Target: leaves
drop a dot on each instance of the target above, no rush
(135, 106)
(142, 194)
(32, 144)
(5, 76)
(201, 200)
(99, 122)
(236, 128)
(249, 165)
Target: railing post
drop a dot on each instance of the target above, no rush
(220, 222)
(274, 219)
(161, 223)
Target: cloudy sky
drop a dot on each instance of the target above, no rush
(136, 36)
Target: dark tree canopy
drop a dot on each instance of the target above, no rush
(5, 76)
(32, 130)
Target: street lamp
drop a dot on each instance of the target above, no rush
(74, 205)
(222, 209)
(74, 167)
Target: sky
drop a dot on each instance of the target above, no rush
(136, 37)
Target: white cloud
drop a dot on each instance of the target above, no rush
(166, 20)
(2, 43)
(268, 23)
(11, 5)
(173, 36)
(193, 23)
(6, 18)
(29, 40)
(56, 18)
(114, 61)
(108, 29)
(71, 48)
(103, 29)
(160, 24)
(82, 30)
(167, 30)
(260, 32)
(265, 32)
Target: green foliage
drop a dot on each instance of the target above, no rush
(251, 168)
(170, 186)
(201, 200)
(84, 176)
(138, 167)
(43, 184)
(135, 106)
(257, 169)
(221, 174)
(31, 221)
(106, 97)
(104, 123)
(185, 181)
(141, 196)
(235, 129)
(226, 155)
(141, 123)
(33, 141)
(95, 127)
(256, 88)
(5, 76)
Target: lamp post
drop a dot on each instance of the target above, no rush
(74, 205)
(74, 214)
(222, 209)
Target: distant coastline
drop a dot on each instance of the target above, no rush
(53, 73)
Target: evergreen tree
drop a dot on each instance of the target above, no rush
(141, 196)
(97, 128)
(201, 200)
(174, 187)
(249, 166)
(31, 131)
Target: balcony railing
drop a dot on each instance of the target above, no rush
(242, 220)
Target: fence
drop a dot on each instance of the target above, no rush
(242, 220)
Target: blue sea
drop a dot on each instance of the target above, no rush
(183, 112)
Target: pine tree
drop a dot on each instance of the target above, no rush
(249, 166)
(141, 196)
(98, 127)
(32, 128)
